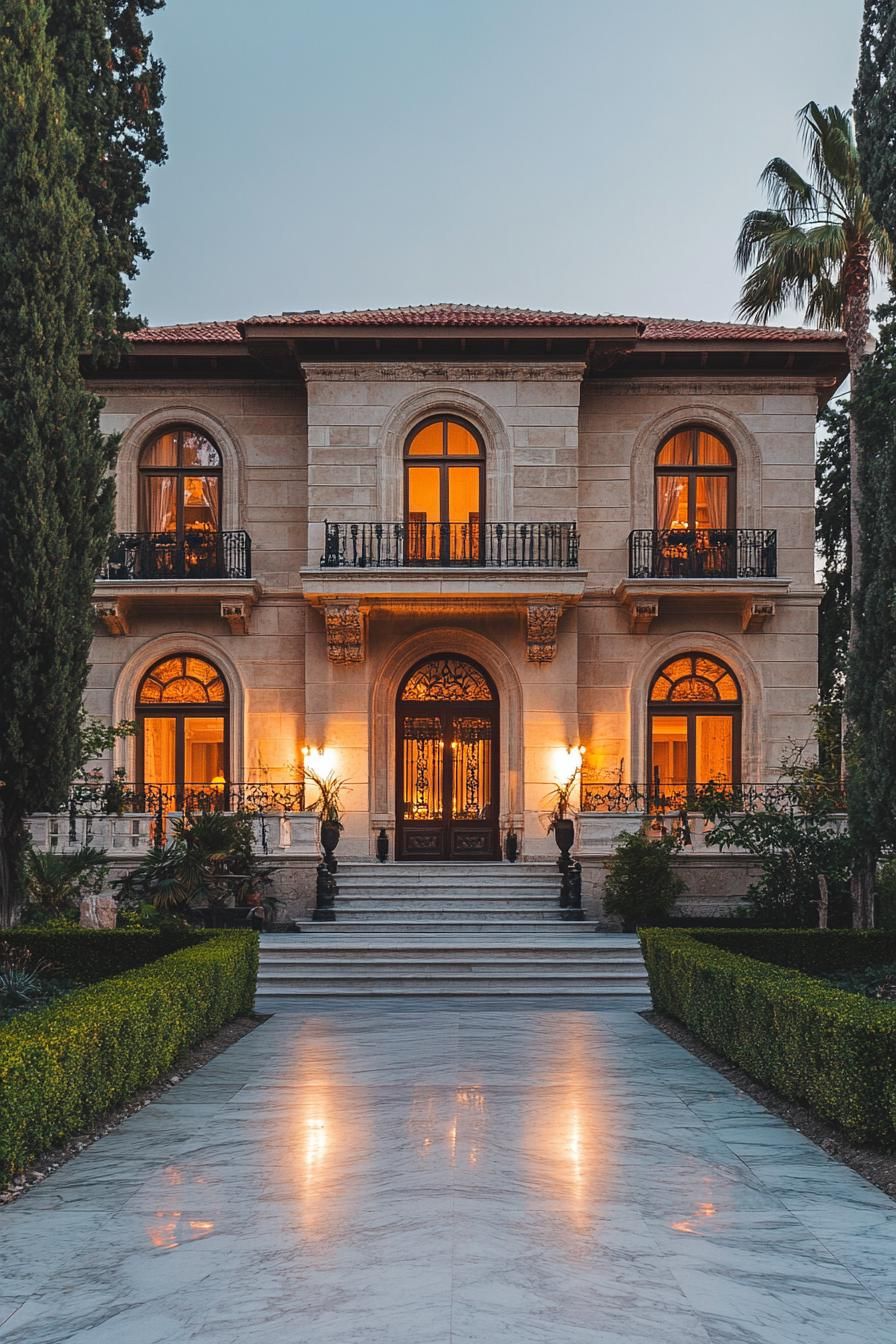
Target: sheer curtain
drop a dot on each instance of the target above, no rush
(715, 741)
(210, 500)
(670, 491)
(157, 504)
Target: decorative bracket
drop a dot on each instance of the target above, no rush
(113, 616)
(236, 614)
(641, 615)
(756, 611)
(345, 632)
(541, 632)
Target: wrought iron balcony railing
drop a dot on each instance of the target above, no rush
(115, 797)
(645, 799)
(165, 555)
(491, 545)
(703, 553)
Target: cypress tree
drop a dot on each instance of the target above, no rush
(832, 535)
(871, 691)
(113, 91)
(55, 494)
(875, 110)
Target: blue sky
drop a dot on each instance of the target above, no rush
(577, 154)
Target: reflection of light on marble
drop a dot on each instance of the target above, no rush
(316, 1141)
(706, 1210)
(166, 1232)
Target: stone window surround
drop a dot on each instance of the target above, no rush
(706, 415)
(130, 675)
(138, 434)
(753, 697)
(384, 689)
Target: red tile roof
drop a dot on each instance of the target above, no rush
(476, 315)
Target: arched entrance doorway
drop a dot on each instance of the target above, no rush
(447, 717)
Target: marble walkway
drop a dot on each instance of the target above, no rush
(414, 1172)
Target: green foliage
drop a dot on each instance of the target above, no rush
(87, 955)
(113, 94)
(328, 804)
(24, 978)
(641, 885)
(814, 244)
(797, 836)
(886, 894)
(56, 497)
(833, 1051)
(96, 737)
(875, 107)
(871, 697)
(210, 858)
(559, 800)
(832, 535)
(68, 1063)
(55, 883)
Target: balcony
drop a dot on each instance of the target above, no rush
(528, 569)
(163, 555)
(451, 545)
(199, 570)
(722, 568)
(706, 553)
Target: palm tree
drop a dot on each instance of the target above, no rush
(818, 245)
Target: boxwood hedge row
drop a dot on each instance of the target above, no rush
(63, 1065)
(833, 1051)
(87, 955)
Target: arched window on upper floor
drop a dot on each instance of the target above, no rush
(695, 501)
(444, 471)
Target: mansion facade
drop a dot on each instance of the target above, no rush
(453, 553)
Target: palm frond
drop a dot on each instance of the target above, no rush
(825, 305)
(787, 190)
(755, 232)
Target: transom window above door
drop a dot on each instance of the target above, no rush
(444, 492)
(180, 484)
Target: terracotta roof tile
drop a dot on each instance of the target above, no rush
(477, 315)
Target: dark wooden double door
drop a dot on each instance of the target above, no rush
(447, 784)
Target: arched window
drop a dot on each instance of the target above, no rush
(180, 489)
(183, 730)
(694, 733)
(444, 492)
(695, 505)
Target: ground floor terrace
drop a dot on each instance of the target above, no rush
(400, 1173)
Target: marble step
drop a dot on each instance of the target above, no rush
(471, 883)
(471, 925)
(425, 985)
(459, 905)
(441, 869)
(510, 970)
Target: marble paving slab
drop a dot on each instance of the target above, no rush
(418, 1172)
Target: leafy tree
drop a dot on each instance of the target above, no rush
(56, 500)
(832, 541)
(113, 92)
(871, 687)
(818, 245)
(875, 104)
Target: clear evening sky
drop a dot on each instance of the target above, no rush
(591, 155)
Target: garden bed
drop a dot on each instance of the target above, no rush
(65, 1064)
(757, 999)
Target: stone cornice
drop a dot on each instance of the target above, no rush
(439, 370)
(725, 384)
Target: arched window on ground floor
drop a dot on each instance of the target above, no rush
(694, 727)
(183, 732)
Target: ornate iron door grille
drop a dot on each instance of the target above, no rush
(447, 766)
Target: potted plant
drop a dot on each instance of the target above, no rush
(558, 822)
(328, 807)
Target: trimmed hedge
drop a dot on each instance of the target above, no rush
(833, 1051)
(88, 955)
(814, 951)
(63, 1065)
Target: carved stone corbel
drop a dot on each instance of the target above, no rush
(756, 612)
(113, 616)
(345, 632)
(236, 614)
(642, 613)
(541, 632)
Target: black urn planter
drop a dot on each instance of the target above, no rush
(329, 839)
(511, 846)
(564, 833)
(382, 845)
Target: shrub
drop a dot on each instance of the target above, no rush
(88, 955)
(641, 887)
(55, 883)
(63, 1065)
(834, 1051)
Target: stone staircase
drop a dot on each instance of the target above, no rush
(442, 929)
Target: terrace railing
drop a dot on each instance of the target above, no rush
(617, 797)
(116, 797)
(164, 555)
(447, 545)
(703, 553)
